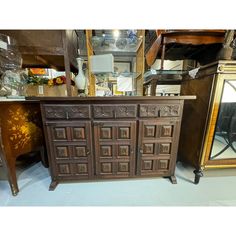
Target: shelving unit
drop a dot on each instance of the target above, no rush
(100, 45)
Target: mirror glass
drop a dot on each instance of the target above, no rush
(224, 142)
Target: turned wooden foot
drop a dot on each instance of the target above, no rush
(198, 174)
(173, 179)
(53, 185)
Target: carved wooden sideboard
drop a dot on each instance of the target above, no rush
(111, 137)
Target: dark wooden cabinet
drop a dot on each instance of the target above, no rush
(112, 137)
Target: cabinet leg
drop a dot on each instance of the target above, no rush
(43, 156)
(53, 185)
(198, 173)
(173, 179)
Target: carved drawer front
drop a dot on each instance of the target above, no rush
(78, 111)
(115, 148)
(169, 110)
(126, 111)
(148, 110)
(54, 112)
(159, 110)
(103, 111)
(67, 111)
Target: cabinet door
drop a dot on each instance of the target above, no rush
(115, 144)
(71, 155)
(156, 139)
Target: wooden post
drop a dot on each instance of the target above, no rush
(140, 63)
(91, 77)
(66, 62)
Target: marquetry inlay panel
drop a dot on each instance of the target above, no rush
(165, 148)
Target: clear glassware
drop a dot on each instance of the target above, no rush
(10, 57)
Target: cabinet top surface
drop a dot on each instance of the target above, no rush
(115, 98)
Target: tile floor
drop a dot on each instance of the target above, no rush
(216, 188)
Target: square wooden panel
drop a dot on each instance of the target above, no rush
(82, 168)
(59, 133)
(123, 150)
(148, 148)
(149, 131)
(106, 151)
(123, 167)
(64, 169)
(79, 133)
(62, 152)
(163, 164)
(106, 133)
(165, 148)
(106, 167)
(166, 131)
(80, 151)
(123, 133)
(147, 165)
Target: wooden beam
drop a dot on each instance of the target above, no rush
(67, 63)
(91, 77)
(140, 64)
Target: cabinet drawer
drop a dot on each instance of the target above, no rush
(67, 112)
(115, 111)
(159, 110)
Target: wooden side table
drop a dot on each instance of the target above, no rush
(21, 133)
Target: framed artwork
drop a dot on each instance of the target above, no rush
(122, 67)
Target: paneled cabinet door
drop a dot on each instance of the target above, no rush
(115, 144)
(156, 140)
(71, 144)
